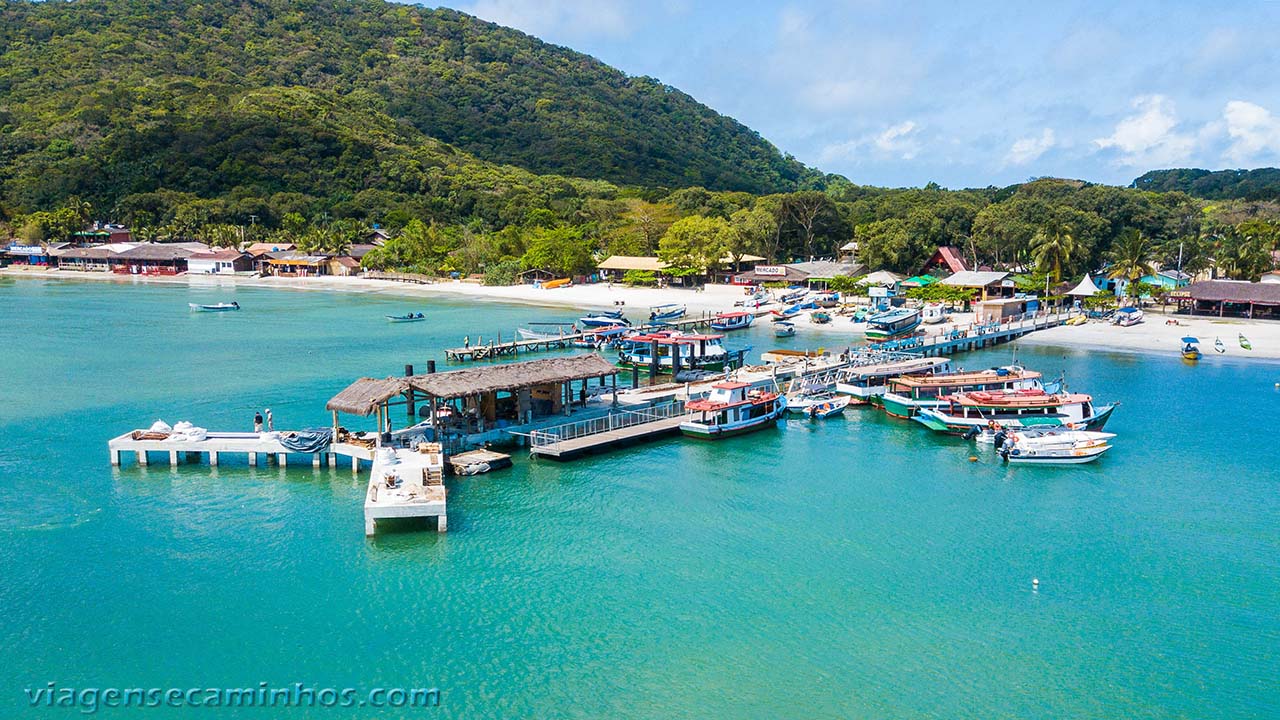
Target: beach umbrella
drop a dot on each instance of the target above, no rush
(1190, 339)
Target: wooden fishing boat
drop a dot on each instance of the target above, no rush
(670, 311)
(1014, 409)
(793, 295)
(908, 393)
(827, 300)
(732, 408)
(217, 307)
(784, 329)
(867, 383)
(410, 317)
(736, 320)
(691, 351)
(819, 318)
(781, 316)
(892, 324)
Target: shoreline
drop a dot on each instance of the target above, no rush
(1151, 336)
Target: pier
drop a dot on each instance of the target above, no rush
(617, 428)
(497, 347)
(406, 483)
(254, 445)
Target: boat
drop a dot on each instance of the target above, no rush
(218, 307)
(819, 318)
(732, 408)
(755, 301)
(892, 324)
(603, 320)
(1220, 346)
(783, 315)
(1032, 455)
(1077, 320)
(1127, 317)
(690, 350)
(933, 313)
(784, 356)
(410, 317)
(803, 397)
(600, 337)
(784, 329)
(1190, 348)
(736, 320)
(793, 296)
(907, 394)
(670, 311)
(827, 408)
(997, 435)
(827, 300)
(1244, 342)
(1014, 409)
(553, 331)
(553, 284)
(868, 383)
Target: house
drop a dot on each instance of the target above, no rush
(33, 255)
(89, 259)
(152, 259)
(259, 249)
(990, 283)
(344, 266)
(1002, 309)
(761, 274)
(945, 260)
(219, 261)
(377, 236)
(296, 264)
(615, 267)
(1229, 297)
(821, 272)
(359, 250)
(1167, 279)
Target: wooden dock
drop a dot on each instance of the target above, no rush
(622, 427)
(256, 446)
(496, 347)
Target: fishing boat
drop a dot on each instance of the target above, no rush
(892, 324)
(780, 316)
(732, 408)
(1244, 342)
(1035, 455)
(1190, 348)
(793, 295)
(867, 383)
(826, 300)
(218, 307)
(819, 318)
(410, 317)
(828, 408)
(784, 329)
(1014, 409)
(736, 320)
(933, 313)
(603, 320)
(670, 311)
(675, 350)
(547, 331)
(1220, 346)
(907, 394)
(1127, 317)
(600, 337)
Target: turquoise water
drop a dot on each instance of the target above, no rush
(854, 568)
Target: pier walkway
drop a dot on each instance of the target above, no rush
(617, 428)
(219, 443)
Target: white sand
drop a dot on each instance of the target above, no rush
(1151, 336)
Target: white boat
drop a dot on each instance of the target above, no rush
(732, 408)
(547, 331)
(693, 350)
(828, 408)
(800, 399)
(784, 329)
(218, 307)
(1126, 317)
(933, 314)
(599, 320)
(867, 383)
(1042, 437)
(1053, 455)
(662, 313)
(737, 320)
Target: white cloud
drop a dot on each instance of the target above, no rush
(900, 140)
(1254, 132)
(570, 18)
(1149, 137)
(896, 142)
(1026, 149)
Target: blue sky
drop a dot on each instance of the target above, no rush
(904, 93)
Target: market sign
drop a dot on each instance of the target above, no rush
(26, 250)
(771, 270)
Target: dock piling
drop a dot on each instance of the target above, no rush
(213, 458)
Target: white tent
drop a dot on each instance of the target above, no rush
(1086, 288)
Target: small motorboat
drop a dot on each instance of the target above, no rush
(819, 318)
(1220, 346)
(737, 320)
(783, 328)
(793, 296)
(1127, 317)
(827, 408)
(933, 314)
(603, 320)
(782, 316)
(218, 307)
(411, 317)
(661, 313)
(1052, 455)
(1244, 342)
(1190, 348)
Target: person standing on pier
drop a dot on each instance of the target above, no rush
(257, 422)
(271, 425)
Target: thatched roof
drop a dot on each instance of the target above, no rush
(1232, 291)
(364, 396)
(511, 376)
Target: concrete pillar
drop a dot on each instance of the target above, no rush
(173, 458)
(213, 458)
(315, 460)
(442, 523)
(369, 526)
(333, 459)
(115, 458)
(282, 459)
(142, 457)
(253, 459)
(355, 464)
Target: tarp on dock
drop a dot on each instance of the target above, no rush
(311, 440)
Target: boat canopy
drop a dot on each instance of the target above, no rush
(1189, 339)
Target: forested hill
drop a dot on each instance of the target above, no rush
(76, 75)
(1260, 184)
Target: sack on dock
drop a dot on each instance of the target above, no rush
(160, 426)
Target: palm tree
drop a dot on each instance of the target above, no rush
(1131, 257)
(1052, 248)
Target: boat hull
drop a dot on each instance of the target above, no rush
(1056, 457)
(705, 431)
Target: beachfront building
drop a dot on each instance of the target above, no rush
(820, 273)
(296, 264)
(615, 267)
(989, 284)
(1235, 298)
(946, 260)
(33, 255)
(484, 404)
(90, 259)
(1005, 309)
(344, 266)
(761, 274)
(154, 259)
(102, 234)
(223, 262)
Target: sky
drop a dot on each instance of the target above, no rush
(962, 94)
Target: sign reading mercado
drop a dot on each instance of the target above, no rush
(771, 270)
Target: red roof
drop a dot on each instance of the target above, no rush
(949, 256)
(734, 313)
(730, 385)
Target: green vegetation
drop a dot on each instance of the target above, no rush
(1259, 184)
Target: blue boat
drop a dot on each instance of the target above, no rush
(603, 319)
(670, 311)
(737, 320)
(893, 324)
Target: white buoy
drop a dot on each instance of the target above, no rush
(1035, 583)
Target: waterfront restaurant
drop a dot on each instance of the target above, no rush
(96, 258)
(1236, 298)
(295, 264)
(484, 404)
(989, 284)
(152, 259)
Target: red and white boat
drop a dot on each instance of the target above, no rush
(732, 408)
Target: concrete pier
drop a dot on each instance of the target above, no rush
(406, 484)
(216, 444)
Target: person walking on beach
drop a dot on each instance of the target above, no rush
(271, 425)
(257, 422)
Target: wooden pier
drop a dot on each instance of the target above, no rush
(622, 427)
(497, 347)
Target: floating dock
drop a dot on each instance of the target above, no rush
(406, 484)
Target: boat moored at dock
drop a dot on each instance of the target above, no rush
(732, 408)
(892, 324)
(907, 394)
(868, 383)
(691, 351)
(670, 311)
(1014, 409)
(736, 320)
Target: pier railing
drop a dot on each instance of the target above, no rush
(613, 421)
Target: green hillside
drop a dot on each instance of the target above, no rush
(1259, 184)
(104, 98)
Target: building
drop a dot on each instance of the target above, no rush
(259, 249)
(761, 274)
(821, 272)
(152, 259)
(1002, 309)
(296, 264)
(883, 278)
(1270, 277)
(989, 284)
(90, 259)
(219, 261)
(103, 233)
(615, 267)
(1236, 298)
(946, 260)
(344, 266)
(33, 255)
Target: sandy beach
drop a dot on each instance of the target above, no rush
(1153, 335)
